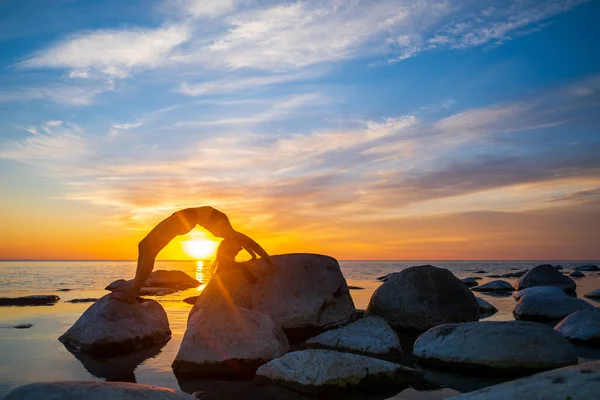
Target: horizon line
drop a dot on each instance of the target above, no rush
(382, 260)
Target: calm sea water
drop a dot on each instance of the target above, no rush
(35, 354)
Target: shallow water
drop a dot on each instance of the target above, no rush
(35, 354)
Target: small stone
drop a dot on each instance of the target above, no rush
(589, 267)
(191, 300)
(85, 300)
(470, 282)
(355, 288)
(35, 300)
(577, 274)
(23, 326)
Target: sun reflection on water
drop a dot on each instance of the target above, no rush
(202, 274)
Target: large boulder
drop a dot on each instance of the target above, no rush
(513, 347)
(95, 391)
(594, 294)
(114, 326)
(307, 294)
(578, 382)
(545, 275)
(546, 306)
(582, 327)
(370, 336)
(421, 297)
(34, 300)
(589, 267)
(222, 341)
(164, 280)
(543, 290)
(495, 286)
(322, 372)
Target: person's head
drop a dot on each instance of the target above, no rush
(228, 249)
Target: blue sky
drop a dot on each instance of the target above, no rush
(378, 127)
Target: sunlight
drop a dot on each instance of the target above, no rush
(200, 249)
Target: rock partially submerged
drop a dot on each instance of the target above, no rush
(546, 306)
(594, 294)
(370, 336)
(506, 348)
(543, 290)
(485, 308)
(470, 282)
(114, 326)
(35, 300)
(575, 382)
(23, 326)
(421, 297)
(86, 300)
(589, 267)
(495, 286)
(95, 391)
(517, 274)
(163, 280)
(191, 300)
(228, 341)
(582, 327)
(322, 372)
(577, 274)
(545, 275)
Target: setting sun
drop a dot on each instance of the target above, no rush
(200, 249)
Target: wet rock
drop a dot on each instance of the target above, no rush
(543, 290)
(86, 300)
(594, 294)
(228, 341)
(23, 326)
(545, 306)
(191, 300)
(355, 288)
(370, 336)
(495, 286)
(114, 326)
(159, 281)
(324, 372)
(470, 282)
(307, 294)
(485, 308)
(589, 267)
(421, 297)
(574, 382)
(577, 274)
(95, 391)
(64, 290)
(582, 327)
(545, 275)
(514, 347)
(35, 300)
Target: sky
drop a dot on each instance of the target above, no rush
(382, 129)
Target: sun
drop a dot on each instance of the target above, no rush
(200, 249)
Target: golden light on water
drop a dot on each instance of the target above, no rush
(202, 275)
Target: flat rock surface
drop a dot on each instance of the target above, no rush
(514, 347)
(582, 327)
(495, 286)
(420, 297)
(111, 325)
(545, 306)
(578, 382)
(369, 336)
(95, 391)
(34, 300)
(545, 275)
(322, 371)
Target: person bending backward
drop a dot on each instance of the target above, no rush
(180, 223)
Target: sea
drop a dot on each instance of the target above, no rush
(35, 354)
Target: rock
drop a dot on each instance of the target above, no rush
(577, 274)
(355, 288)
(307, 294)
(370, 336)
(495, 286)
(558, 266)
(589, 267)
(495, 276)
(35, 300)
(470, 282)
(545, 306)
(191, 300)
(119, 285)
(513, 347)
(543, 290)
(481, 272)
(64, 290)
(23, 326)
(485, 308)
(576, 382)
(157, 291)
(383, 278)
(159, 281)
(515, 274)
(95, 391)
(323, 372)
(114, 326)
(545, 275)
(421, 297)
(228, 341)
(594, 294)
(86, 300)
(582, 327)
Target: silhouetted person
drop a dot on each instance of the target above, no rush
(180, 223)
(225, 260)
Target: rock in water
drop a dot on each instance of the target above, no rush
(495, 286)
(577, 274)
(113, 326)
(576, 382)
(594, 294)
(35, 300)
(545, 306)
(470, 282)
(320, 372)
(543, 290)
(95, 391)
(545, 275)
(514, 347)
(86, 300)
(223, 341)
(485, 308)
(307, 294)
(23, 326)
(587, 268)
(370, 336)
(191, 300)
(421, 297)
(582, 327)
(171, 279)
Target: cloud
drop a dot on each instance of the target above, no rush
(204, 8)
(60, 93)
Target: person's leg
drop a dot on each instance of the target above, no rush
(145, 265)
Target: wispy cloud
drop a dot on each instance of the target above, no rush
(67, 94)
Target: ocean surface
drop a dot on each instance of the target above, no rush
(35, 354)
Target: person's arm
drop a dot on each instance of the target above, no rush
(252, 247)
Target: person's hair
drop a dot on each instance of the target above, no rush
(226, 252)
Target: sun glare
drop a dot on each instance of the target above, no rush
(200, 249)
